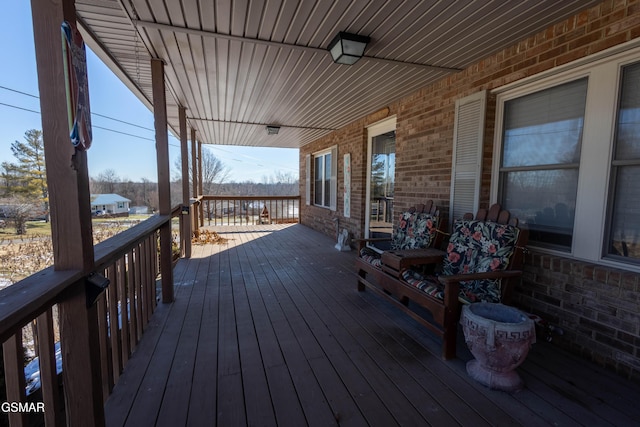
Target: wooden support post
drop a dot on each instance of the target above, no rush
(164, 184)
(200, 190)
(194, 182)
(69, 200)
(184, 154)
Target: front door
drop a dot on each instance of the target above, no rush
(380, 181)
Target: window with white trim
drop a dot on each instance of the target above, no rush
(325, 186)
(624, 208)
(541, 140)
(567, 158)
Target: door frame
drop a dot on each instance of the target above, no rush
(373, 130)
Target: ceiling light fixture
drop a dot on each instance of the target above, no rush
(272, 130)
(347, 48)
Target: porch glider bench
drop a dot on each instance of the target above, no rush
(482, 260)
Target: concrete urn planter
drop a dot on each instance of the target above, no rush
(499, 337)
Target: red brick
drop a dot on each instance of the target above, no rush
(586, 40)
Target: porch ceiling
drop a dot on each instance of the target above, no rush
(238, 65)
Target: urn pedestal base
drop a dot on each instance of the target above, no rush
(508, 381)
(499, 337)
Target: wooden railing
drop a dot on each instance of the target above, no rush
(249, 210)
(130, 262)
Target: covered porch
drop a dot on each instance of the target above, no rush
(269, 329)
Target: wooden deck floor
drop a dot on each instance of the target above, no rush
(270, 330)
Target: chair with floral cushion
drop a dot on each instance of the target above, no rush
(419, 227)
(483, 256)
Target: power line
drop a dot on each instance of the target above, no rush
(21, 93)
(123, 133)
(92, 113)
(19, 108)
(93, 126)
(122, 121)
(249, 157)
(127, 123)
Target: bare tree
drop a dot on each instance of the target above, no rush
(214, 172)
(19, 210)
(106, 182)
(149, 193)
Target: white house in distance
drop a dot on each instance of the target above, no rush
(112, 204)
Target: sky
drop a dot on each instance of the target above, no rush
(127, 148)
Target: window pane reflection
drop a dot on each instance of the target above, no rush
(317, 196)
(545, 201)
(545, 127)
(628, 132)
(327, 180)
(625, 228)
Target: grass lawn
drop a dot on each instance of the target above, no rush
(43, 229)
(34, 228)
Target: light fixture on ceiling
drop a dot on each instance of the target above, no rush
(272, 130)
(347, 48)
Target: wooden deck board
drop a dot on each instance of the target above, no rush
(231, 409)
(206, 357)
(175, 401)
(614, 400)
(127, 387)
(148, 401)
(364, 394)
(303, 387)
(269, 329)
(345, 298)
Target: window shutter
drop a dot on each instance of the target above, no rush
(466, 174)
(334, 178)
(307, 165)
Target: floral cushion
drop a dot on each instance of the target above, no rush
(474, 247)
(371, 256)
(414, 231)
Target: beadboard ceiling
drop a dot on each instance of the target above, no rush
(238, 65)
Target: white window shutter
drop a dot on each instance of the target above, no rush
(334, 178)
(466, 173)
(307, 166)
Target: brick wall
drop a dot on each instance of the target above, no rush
(351, 139)
(596, 307)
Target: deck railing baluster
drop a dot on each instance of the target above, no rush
(48, 373)
(124, 315)
(105, 354)
(247, 210)
(138, 294)
(13, 354)
(131, 300)
(114, 333)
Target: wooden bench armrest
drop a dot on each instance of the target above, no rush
(452, 283)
